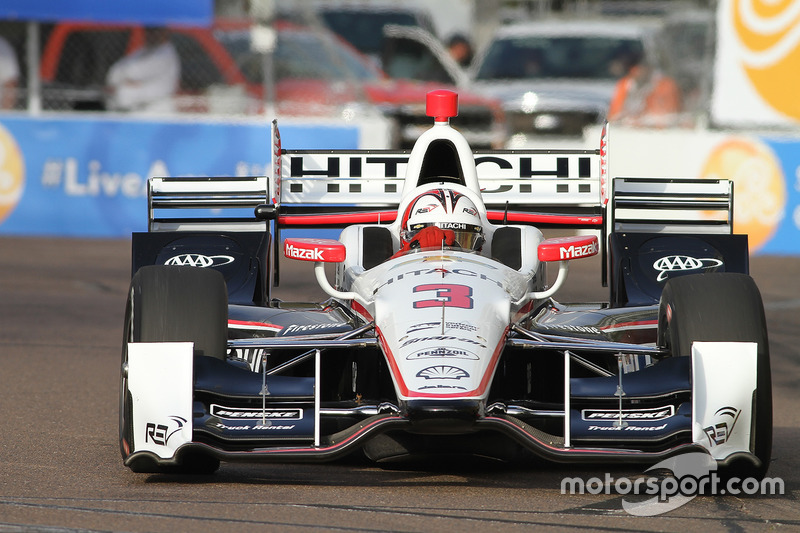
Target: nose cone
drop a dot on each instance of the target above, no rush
(441, 105)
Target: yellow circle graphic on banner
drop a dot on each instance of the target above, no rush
(12, 174)
(759, 198)
(769, 35)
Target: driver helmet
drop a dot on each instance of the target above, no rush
(447, 209)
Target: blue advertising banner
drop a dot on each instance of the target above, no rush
(785, 238)
(87, 177)
(156, 12)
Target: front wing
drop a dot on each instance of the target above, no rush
(224, 409)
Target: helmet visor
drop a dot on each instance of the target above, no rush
(469, 240)
(467, 236)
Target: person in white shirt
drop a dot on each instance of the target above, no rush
(9, 75)
(147, 79)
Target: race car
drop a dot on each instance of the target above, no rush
(442, 334)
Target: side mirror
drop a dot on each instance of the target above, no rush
(316, 250)
(562, 250)
(321, 251)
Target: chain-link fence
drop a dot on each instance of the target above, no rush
(241, 67)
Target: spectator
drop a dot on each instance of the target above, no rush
(147, 79)
(9, 75)
(645, 96)
(460, 50)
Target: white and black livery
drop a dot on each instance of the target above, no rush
(442, 333)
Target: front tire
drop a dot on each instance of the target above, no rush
(722, 307)
(172, 304)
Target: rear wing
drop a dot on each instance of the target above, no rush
(666, 205)
(545, 188)
(206, 204)
(337, 188)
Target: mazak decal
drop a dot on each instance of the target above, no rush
(160, 433)
(199, 260)
(682, 263)
(574, 252)
(313, 254)
(446, 353)
(442, 372)
(655, 413)
(241, 413)
(720, 433)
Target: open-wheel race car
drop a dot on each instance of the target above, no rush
(441, 334)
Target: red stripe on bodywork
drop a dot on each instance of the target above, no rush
(543, 218)
(251, 324)
(373, 217)
(361, 310)
(639, 324)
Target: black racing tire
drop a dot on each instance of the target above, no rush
(173, 304)
(722, 307)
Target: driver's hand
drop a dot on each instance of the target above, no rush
(433, 237)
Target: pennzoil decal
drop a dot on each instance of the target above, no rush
(445, 353)
(243, 413)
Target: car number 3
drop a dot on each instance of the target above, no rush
(447, 295)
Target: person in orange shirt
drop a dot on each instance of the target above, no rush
(645, 97)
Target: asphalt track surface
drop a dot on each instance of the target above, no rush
(61, 314)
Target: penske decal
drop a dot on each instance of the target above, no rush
(657, 413)
(238, 413)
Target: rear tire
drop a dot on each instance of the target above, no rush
(173, 304)
(722, 307)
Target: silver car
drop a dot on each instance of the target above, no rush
(557, 77)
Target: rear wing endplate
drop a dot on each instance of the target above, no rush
(662, 205)
(206, 203)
